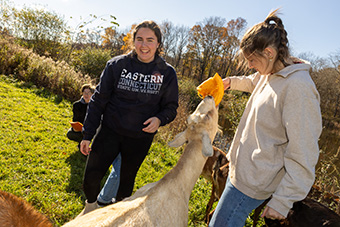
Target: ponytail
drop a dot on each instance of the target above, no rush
(274, 23)
(270, 32)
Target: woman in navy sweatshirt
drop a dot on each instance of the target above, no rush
(137, 93)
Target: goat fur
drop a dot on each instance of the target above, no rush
(165, 202)
(216, 171)
(307, 213)
(14, 211)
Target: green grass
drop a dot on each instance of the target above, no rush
(39, 164)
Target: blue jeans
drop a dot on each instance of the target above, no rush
(233, 208)
(110, 188)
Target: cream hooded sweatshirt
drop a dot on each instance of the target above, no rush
(275, 148)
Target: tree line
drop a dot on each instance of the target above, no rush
(197, 53)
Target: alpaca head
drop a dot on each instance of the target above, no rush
(202, 126)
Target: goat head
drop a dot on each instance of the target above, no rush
(202, 125)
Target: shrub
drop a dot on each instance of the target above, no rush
(57, 77)
(91, 61)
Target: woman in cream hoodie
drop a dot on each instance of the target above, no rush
(275, 148)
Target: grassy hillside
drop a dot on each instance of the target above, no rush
(39, 164)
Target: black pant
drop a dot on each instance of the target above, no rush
(105, 148)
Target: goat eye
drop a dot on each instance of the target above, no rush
(208, 115)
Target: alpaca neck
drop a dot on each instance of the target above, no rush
(183, 176)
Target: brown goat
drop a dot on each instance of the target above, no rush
(14, 211)
(307, 213)
(215, 170)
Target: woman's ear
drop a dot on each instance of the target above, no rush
(269, 52)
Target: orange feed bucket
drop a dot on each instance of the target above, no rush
(212, 86)
(77, 126)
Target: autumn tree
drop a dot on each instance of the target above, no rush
(6, 10)
(335, 60)
(204, 43)
(182, 34)
(127, 39)
(113, 41)
(328, 85)
(213, 44)
(169, 39)
(41, 30)
(317, 63)
(325, 74)
(175, 38)
(230, 45)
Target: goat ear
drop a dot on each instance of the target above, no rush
(195, 118)
(192, 119)
(179, 140)
(207, 149)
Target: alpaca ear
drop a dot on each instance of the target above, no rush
(179, 140)
(207, 149)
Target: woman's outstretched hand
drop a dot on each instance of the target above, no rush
(226, 83)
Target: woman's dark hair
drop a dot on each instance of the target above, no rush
(87, 86)
(155, 28)
(270, 32)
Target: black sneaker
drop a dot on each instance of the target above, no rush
(100, 204)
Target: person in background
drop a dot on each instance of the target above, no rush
(275, 148)
(79, 112)
(109, 191)
(137, 93)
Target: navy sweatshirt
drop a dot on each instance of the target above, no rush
(129, 93)
(79, 110)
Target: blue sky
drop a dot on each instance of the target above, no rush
(312, 25)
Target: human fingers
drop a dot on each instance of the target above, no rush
(273, 214)
(264, 212)
(85, 147)
(153, 125)
(226, 83)
(150, 128)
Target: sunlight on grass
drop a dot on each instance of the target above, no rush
(45, 168)
(38, 162)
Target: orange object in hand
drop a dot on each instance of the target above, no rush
(212, 86)
(77, 126)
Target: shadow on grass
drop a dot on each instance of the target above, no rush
(40, 91)
(77, 161)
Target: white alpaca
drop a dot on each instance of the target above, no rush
(165, 202)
